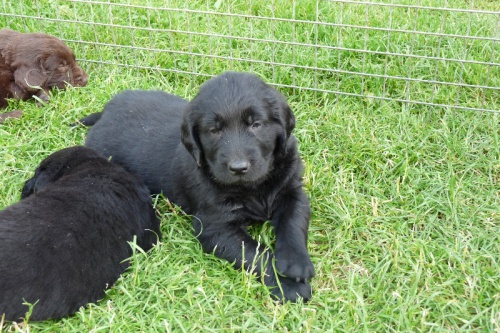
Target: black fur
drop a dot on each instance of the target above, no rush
(66, 241)
(229, 159)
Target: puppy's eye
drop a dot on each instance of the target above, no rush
(214, 131)
(256, 125)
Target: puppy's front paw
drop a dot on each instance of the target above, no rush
(294, 265)
(291, 290)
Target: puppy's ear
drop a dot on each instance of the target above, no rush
(36, 183)
(31, 77)
(28, 188)
(287, 120)
(189, 137)
(54, 167)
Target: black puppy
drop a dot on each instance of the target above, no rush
(229, 159)
(66, 241)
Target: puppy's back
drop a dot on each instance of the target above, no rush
(64, 245)
(6, 37)
(137, 125)
(140, 105)
(6, 74)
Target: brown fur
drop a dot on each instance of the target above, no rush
(33, 63)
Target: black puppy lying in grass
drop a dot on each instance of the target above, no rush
(229, 159)
(66, 241)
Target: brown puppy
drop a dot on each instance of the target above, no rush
(33, 63)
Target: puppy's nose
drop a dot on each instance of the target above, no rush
(238, 167)
(81, 80)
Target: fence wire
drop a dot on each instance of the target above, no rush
(435, 53)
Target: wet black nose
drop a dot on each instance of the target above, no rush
(238, 167)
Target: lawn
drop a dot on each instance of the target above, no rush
(405, 229)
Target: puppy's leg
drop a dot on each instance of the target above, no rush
(291, 221)
(231, 242)
(12, 114)
(151, 235)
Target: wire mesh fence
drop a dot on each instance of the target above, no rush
(435, 53)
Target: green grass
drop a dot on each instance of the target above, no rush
(405, 231)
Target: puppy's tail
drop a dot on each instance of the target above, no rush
(89, 120)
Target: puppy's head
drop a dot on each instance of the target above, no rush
(55, 166)
(41, 60)
(236, 127)
(61, 69)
